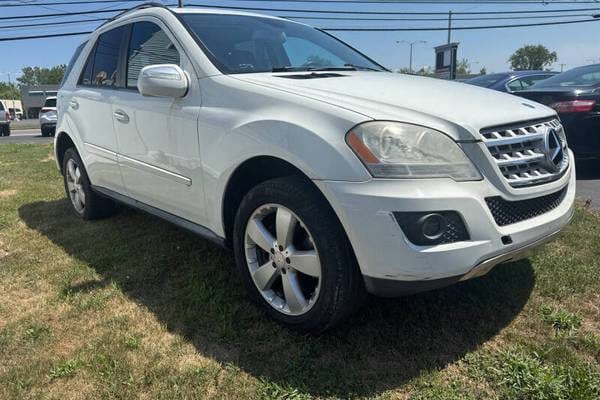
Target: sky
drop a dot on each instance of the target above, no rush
(576, 45)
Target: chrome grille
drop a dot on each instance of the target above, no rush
(522, 152)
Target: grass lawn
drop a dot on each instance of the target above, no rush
(25, 124)
(132, 307)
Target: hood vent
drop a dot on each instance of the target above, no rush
(312, 75)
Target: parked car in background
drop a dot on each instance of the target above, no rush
(575, 95)
(15, 114)
(510, 82)
(328, 175)
(48, 117)
(4, 120)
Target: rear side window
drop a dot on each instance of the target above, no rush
(50, 103)
(149, 45)
(72, 62)
(102, 66)
(1, 106)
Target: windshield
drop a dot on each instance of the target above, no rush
(243, 44)
(578, 77)
(486, 80)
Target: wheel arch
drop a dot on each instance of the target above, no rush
(247, 175)
(62, 142)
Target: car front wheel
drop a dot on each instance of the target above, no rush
(294, 256)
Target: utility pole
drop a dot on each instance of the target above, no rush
(449, 26)
(411, 44)
(180, 3)
(562, 67)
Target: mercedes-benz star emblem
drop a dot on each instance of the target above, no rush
(553, 150)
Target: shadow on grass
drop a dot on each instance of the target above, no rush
(190, 285)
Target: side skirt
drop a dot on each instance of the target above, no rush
(174, 219)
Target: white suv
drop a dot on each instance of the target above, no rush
(48, 117)
(328, 175)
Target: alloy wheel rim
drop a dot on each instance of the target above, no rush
(282, 259)
(74, 186)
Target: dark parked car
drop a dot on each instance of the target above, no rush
(511, 82)
(575, 95)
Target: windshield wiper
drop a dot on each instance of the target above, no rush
(362, 67)
(283, 69)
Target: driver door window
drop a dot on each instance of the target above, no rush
(149, 45)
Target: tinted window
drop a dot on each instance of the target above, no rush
(102, 65)
(1, 106)
(582, 77)
(240, 43)
(72, 62)
(149, 45)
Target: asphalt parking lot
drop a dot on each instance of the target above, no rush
(26, 136)
(588, 171)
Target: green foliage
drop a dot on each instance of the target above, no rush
(41, 75)
(562, 321)
(532, 57)
(64, 369)
(463, 67)
(534, 376)
(9, 91)
(35, 332)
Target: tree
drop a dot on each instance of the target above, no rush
(483, 71)
(463, 67)
(32, 76)
(9, 91)
(532, 57)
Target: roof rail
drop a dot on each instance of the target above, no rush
(138, 7)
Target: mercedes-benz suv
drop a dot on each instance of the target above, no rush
(328, 175)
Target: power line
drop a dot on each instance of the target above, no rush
(53, 23)
(532, 2)
(355, 12)
(44, 36)
(339, 29)
(64, 14)
(432, 19)
(58, 3)
(33, 25)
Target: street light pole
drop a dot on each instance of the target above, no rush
(411, 44)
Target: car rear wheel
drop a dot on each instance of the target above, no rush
(86, 203)
(294, 256)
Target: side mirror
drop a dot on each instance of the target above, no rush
(163, 80)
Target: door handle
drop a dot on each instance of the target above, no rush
(74, 104)
(120, 115)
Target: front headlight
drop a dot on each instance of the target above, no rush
(400, 150)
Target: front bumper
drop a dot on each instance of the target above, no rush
(391, 264)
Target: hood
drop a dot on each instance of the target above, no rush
(458, 109)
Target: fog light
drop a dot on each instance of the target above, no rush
(433, 226)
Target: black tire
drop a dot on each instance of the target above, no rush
(342, 287)
(44, 132)
(5, 130)
(96, 206)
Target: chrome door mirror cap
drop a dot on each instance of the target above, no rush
(163, 80)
